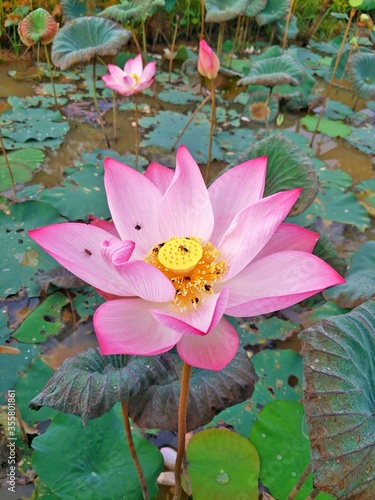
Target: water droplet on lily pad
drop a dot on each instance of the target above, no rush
(222, 477)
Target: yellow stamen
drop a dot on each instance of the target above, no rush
(136, 78)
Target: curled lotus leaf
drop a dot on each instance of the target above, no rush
(127, 11)
(339, 400)
(38, 26)
(274, 11)
(77, 8)
(254, 7)
(362, 74)
(274, 71)
(86, 37)
(261, 108)
(218, 11)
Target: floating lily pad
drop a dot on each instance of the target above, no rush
(176, 96)
(213, 472)
(339, 402)
(328, 127)
(44, 321)
(261, 330)
(366, 195)
(321, 311)
(85, 303)
(22, 164)
(98, 464)
(363, 138)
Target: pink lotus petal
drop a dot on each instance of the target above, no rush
(240, 187)
(126, 327)
(197, 321)
(185, 209)
(252, 228)
(208, 62)
(77, 247)
(116, 73)
(148, 73)
(161, 176)
(134, 66)
(277, 281)
(116, 251)
(104, 224)
(212, 351)
(134, 204)
(289, 237)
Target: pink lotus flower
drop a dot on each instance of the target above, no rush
(208, 62)
(178, 256)
(133, 79)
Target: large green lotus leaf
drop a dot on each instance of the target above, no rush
(254, 6)
(339, 401)
(44, 321)
(363, 5)
(28, 385)
(327, 252)
(332, 128)
(366, 190)
(279, 377)
(335, 206)
(35, 101)
(166, 127)
(235, 140)
(22, 259)
(80, 195)
(94, 462)
(274, 71)
(332, 179)
(362, 74)
(36, 127)
(363, 138)
(360, 280)
(87, 37)
(321, 311)
(78, 8)
(22, 163)
(37, 26)
(261, 108)
(308, 59)
(287, 168)
(218, 11)
(336, 110)
(332, 47)
(284, 449)
(292, 28)
(133, 10)
(213, 472)
(275, 10)
(89, 384)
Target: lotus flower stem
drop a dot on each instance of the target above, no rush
(201, 36)
(220, 38)
(128, 432)
(96, 101)
(352, 12)
(50, 69)
(212, 127)
(9, 169)
(172, 48)
(182, 411)
(144, 44)
(289, 17)
(190, 120)
(135, 40)
(300, 482)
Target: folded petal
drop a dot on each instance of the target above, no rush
(161, 176)
(185, 209)
(134, 204)
(126, 326)
(235, 190)
(277, 281)
(198, 321)
(289, 237)
(212, 351)
(77, 247)
(134, 66)
(252, 228)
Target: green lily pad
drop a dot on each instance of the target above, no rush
(333, 179)
(261, 330)
(176, 96)
(339, 402)
(213, 472)
(96, 459)
(86, 302)
(22, 163)
(332, 128)
(363, 138)
(321, 311)
(366, 196)
(44, 321)
(274, 10)
(166, 125)
(284, 449)
(28, 385)
(22, 258)
(274, 71)
(360, 280)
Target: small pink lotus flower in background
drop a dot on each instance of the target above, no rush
(132, 79)
(178, 256)
(208, 62)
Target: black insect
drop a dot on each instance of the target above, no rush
(183, 249)
(88, 252)
(137, 227)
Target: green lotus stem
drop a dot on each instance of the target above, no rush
(133, 453)
(190, 120)
(287, 25)
(182, 412)
(201, 35)
(300, 482)
(144, 40)
(212, 127)
(352, 12)
(172, 49)
(96, 101)
(135, 40)
(136, 132)
(9, 169)
(220, 38)
(51, 73)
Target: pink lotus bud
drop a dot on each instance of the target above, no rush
(208, 62)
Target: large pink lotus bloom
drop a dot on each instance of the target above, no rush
(133, 79)
(208, 62)
(178, 256)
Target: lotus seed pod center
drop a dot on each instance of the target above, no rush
(180, 255)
